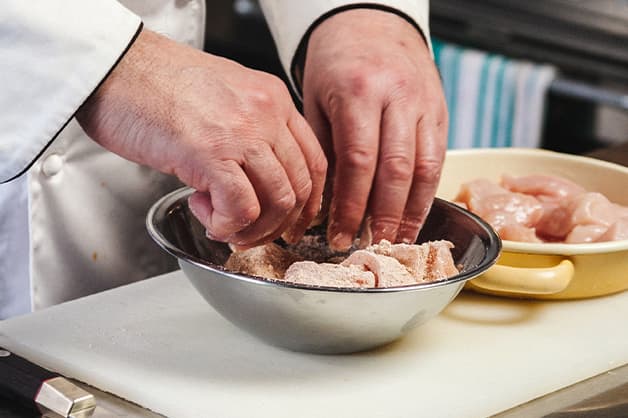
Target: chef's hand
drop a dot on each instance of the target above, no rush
(231, 133)
(373, 96)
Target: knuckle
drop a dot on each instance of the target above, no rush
(397, 167)
(285, 202)
(358, 159)
(428, 170)
(384, 224)
(347, 212)
(319, 166)
(246, 214)
(303, 191)
(410, 223)
(271, 93)
(358, 84)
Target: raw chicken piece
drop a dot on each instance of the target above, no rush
(563, 220)
(585, 233)
(326, 274)
(499, 206)
(269, 261)
(560, 210)
(542, 186)
(617, 231)
(595, 208)
(556, 221)
(387, 270)
(515, 232)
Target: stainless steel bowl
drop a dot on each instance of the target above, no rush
(320, 319)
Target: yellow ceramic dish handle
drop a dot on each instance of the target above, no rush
(526, 280)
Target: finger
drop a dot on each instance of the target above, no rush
(322, 129)
(395, 167)
(355, 132)
(274, 191)
(430, 154)
(228, 205)
(290, 154)
(317, 165)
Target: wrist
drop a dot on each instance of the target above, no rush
(356, 22)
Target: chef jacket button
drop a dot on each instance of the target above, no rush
(52, 164)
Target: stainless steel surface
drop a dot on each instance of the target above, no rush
(585, 39)
(605, 395)
(118, 407)
(590, 92)
(63, 397)
(320, 319)
(106, 406)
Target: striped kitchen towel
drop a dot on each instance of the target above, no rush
(493, 101)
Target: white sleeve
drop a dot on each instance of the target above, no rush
(291, 21)
(54, 55)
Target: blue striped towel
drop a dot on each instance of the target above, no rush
(493, 101)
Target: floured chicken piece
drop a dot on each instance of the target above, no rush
(388, 271)
(563, 212)
(380, 265)
(426, 262)
(327, 274)
(270, 261)
(440, 263)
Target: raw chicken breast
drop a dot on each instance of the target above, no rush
(556, 221)
(585, 233)
(499, 206)
(326, 274)
(595, 208)
(617, 231)
(516, 232)
(542, 208)
(542, 186)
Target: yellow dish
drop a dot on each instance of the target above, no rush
(546, 270)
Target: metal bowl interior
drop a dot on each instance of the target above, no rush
(312, 318)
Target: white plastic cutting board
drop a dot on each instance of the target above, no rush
(157, 343)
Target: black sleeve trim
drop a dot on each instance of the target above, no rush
(298, 61)
(29, 165)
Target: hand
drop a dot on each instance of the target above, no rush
(373, 96)
(231, 133)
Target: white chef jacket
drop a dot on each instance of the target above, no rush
(72, 214)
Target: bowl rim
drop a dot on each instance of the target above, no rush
(552, 248)
(493, 250)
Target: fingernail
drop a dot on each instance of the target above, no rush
(292, 236)
(210, 236)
